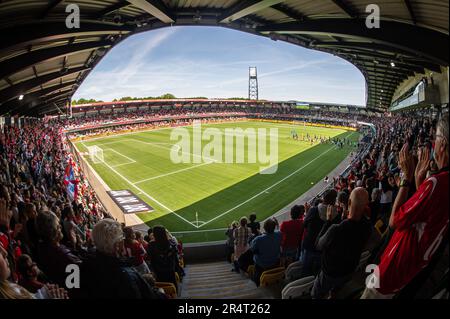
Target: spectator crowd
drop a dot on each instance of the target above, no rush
(393, 203)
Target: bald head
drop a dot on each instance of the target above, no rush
(358, 202)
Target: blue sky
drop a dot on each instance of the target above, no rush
(213, 62)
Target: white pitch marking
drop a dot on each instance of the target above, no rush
(150, 197)
(169, 148)
(128, 158)
(270, 187)
(171, 173)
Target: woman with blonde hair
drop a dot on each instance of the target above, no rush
(241, 236)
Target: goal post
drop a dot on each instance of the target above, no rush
(96, 154)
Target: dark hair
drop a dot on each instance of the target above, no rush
(161, 240)
(269, 226)
(149, 230)
(66, 211)
(297, 211)
(22, 265)
(252, 217)
(128, 232)
(342, 197)
(329, 198)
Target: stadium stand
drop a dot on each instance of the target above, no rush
(44, 228)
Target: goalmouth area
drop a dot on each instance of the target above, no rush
(197, 201)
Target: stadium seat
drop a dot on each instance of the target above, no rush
(379, 227)
(363, 260)
(272, 276)
(250, 271)
(299, 288)
(294, 271)
(168, 287)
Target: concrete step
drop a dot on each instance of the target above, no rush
(216, 281)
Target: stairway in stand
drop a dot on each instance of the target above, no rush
(217, 281)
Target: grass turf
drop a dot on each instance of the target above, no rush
(217, 193)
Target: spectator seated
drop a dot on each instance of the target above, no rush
(299, 288)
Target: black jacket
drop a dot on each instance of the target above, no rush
(313, 225)
(342, 245)
(106, 277)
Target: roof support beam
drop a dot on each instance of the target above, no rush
(156, 8)
(383, 64)
(244, 8)
(400, 62)
(291, 13)
(22, 36)
(411, 11)
(433, 45)
(108, 10)
(45, 108)
(25, 61)
(22, 87)
(51, 5)
(15, 105)
(346, 8)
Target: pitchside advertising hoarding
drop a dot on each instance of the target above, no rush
(128, 202)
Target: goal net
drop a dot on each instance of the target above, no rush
(96, 154)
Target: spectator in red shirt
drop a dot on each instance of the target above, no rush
(292, 233)
(420, 222)
(135, 251)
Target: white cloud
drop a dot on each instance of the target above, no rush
(153, 64)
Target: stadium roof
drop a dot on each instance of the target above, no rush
(42, 62)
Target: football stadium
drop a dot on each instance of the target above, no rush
(327, 179)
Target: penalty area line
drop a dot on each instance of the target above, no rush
(147, 195)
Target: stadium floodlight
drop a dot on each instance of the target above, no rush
(253, 84)
(21, 96)
(393, 64)
(96, 154)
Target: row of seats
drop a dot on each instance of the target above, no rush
(301, 287)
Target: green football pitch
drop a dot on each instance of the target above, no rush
(197, 201)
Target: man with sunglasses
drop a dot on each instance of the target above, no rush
(420, 222)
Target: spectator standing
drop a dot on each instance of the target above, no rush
(314, 220)
(241, 236)
(341, 245)
(292, 233)
(135, 251)
(230, 240)
(253, 225)
(163, 256)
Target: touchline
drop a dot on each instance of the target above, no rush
(229, 146)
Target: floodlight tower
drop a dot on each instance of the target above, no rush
(253, 83)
